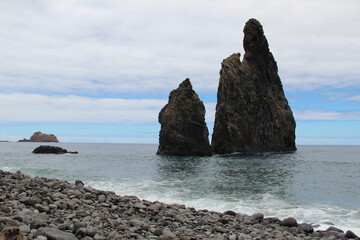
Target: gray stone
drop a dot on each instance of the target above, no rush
(25, 228)
(136, 223)
(258, 216)
(167, 234)
(158, 231)
(81, 232)
(139, 205)
(334, 229)
(55, 234)
(36, 223)
(229, 212)
(289, 222)
(220, 229)
(155, 207)
(102, 198)
(91, 231)
(77, 224)
(305, 227)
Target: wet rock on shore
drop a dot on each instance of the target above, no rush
(42, 208)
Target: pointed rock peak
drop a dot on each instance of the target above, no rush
(235, 57)
(183, 128)
(186, 84)
(255, 43)
(252, 113)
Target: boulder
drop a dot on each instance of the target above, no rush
(183, 128)
(46, 149)
(252, 112)
(41, 137)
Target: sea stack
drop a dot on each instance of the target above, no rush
(252, 112)
(183, 128)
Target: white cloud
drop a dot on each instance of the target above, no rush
(30, 108)
(34, 108)
(354, 98)
(148, 47)
(323, 115)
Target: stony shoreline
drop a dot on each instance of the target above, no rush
(43, 208)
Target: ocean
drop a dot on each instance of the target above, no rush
(316, 184)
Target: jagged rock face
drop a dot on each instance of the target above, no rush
(252, 112)
(183, 128)
(42, 137)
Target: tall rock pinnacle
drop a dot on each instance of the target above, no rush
(183, 128)
(252, 112)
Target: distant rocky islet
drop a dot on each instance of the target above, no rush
(252, 112)
(41, 137)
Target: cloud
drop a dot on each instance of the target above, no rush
(118, 48)
(323, 115)
(30, 108)
(34, 108)
(354, 98)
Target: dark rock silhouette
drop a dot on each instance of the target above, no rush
(252, 112)
(46, 149)
(183, 128)
(41, 137)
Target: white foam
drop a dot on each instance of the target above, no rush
(269, 205)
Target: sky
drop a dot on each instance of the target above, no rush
(100, 71)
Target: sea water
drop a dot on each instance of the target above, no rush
(316, 184)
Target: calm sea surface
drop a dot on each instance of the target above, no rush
(316, 184)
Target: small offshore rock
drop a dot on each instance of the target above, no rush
(289, 222)
(47, 149)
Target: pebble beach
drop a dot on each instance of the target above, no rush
(42, 208)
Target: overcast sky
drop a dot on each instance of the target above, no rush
(100, 71)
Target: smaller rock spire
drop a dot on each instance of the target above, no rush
(183, 129)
